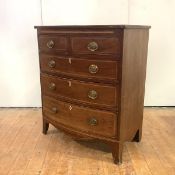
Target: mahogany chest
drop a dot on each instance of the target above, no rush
(92, 81)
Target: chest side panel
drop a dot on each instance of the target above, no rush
(134, 60)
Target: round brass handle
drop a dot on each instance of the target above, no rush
(92, 94)
(93, 121)
(52, 64)
(92, 46)
(93, 69)
(52, 86)
(54, 110)
(50, 44)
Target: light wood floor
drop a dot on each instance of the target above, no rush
(25, 150)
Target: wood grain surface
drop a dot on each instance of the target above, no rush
(78, 67)
(105, 45)
(117, 87)
(106, 95)
(26, 151)
(133, 82)
(79, 118)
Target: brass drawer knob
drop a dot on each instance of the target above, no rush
(92, 46)
(93, 122)
(92, 94)
(52, 86)
(93, 69)
(54, 110)
(52, 64)
(50, 44)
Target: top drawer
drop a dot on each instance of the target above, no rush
(53, 43)
(96, 45)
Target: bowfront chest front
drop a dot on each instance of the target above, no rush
(92, 81)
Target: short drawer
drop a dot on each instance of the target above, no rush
(52, 43)
(93, 93)
(96, 45)
(80, 118)
(80, 67)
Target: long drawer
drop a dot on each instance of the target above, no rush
(80, 118)
(93, 93)
(99, 69)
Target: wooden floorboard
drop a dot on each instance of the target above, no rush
(24, 150)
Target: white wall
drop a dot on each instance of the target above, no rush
(160, 14)
(84, 12)
(19, 69)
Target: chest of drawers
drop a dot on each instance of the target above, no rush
(92, 81)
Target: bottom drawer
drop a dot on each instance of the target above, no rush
(80, 118)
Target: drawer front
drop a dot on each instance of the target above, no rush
(80, 118)
(83, 92)
(96, 45)
(80, 67)
(53, 43)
